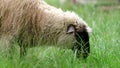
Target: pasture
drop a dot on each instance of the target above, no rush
(103, 18)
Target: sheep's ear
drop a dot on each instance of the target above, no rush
(70, 29)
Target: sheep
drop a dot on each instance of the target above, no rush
(33, 23)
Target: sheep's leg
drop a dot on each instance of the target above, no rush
(23, 51)
(23, 47)
(7, 45)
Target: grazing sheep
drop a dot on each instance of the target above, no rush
(34, 22)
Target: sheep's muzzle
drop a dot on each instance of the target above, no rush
(81, 47)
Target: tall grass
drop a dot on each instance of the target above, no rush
(104, 40)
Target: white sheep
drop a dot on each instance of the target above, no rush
(34, 23)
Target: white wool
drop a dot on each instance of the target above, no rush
(37, 21)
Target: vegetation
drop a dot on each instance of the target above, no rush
(105, 42)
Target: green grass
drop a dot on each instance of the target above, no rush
(105, 43)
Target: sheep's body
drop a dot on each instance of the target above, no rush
(34, 22)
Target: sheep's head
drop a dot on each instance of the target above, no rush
(80, 30)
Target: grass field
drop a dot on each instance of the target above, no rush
(105, 42)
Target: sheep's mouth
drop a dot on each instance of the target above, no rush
(82, 43)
